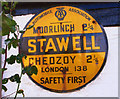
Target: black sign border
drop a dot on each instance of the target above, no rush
(105, 59)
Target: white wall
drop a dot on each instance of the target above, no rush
(105, 85)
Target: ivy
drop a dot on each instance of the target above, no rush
(30, 70)
(11, 60)
(2, 51)
(5, 80)
(19, 57)
(4, 69)
(22, 31)
(9, 26)
(4, 4)
(21, 92)
(4, 88)
(12, 42)
(31, 26)
(15, 78)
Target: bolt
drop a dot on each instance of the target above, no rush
(93, 22)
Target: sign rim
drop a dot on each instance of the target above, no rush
(101, 68)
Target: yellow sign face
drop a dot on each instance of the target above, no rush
(68, 47)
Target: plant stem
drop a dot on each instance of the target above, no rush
(8, 95)
(5, 57)
(3, 71)
(20, 74)
(18, 83)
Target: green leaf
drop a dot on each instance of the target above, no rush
(21, 92)
(30, 70)
(4, 69)
(11, 60)
(23, 71)
(7, 41)
(5, 29)
(27, 70)
(4, 3)
(18, 61)
(19, 57)
(5, 80)
(6, 8)
(2, 51)
(12, 42)
(13, 29)
(15, 43)
(15, 78)
(8, 21)
(34, 70)
(4, 88)
(9, 46)
(8, 25)
(12, 79)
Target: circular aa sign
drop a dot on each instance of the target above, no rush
(68, 47)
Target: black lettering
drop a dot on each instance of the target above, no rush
(41, 29)
(57, 69)
(51, 69)
(45, 29)
(66, 28)
(89, 57)
(51, 79)
(75, 79)
(62, 28)
(58, 61)
(55, 30)
(58, 28)
(55, 80)
(37, 61)
(42, 80)
(70, 79)
(62, 69)
(80, 80)
(46, 80)
(73, 58)
(65, 59)
(72, 27)
(47, 69)
(44, 60)
(42, 69)
(84, 78)
(52, 60)
(50, 29)
(58, 79)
